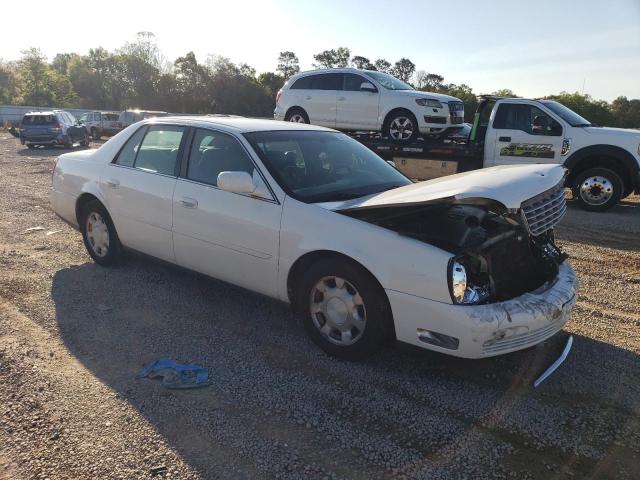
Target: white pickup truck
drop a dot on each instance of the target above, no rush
(603, 163)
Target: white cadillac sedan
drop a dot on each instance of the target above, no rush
(464, 265)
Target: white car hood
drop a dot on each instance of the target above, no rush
(419, 94)
(509, 185)
(610, 131)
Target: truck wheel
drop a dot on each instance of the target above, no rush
(597, 189)
(344, 310)
(99, 234)
(401, 127)
(296, 115)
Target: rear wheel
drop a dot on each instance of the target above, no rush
(401, 127)
(99, 234)
(297, 115)
(597, 189)
(344, 310)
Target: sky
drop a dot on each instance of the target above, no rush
(535, 48)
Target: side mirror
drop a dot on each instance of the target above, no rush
(236, 182)
(242, 182)
(368, 87)
(540, 125)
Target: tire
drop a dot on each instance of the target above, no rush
(85, 141)
(597, 189)
(69, 142)
(99, 234)
(296, 115)
(343, 309)
(95, 134)
(401, 126)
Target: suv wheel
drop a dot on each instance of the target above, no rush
(344, 310)
(597, 189)
(95, 134)
(401, 127)
(99, 234)
(296, 115)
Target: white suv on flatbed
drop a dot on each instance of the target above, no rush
(355, 100)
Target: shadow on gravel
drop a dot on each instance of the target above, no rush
(402, 409)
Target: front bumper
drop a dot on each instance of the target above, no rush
(486, 330)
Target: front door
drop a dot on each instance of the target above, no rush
(229, 236)
(356, 109)
(523, 134)
(138, 188)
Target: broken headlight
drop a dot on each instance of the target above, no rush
(463, 288)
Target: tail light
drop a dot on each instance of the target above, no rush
(278, 96)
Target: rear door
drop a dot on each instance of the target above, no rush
(319, 99)
(230, 236)
(138, 187)
(356, 109)
(522, 133)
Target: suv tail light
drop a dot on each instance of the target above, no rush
(278, 96)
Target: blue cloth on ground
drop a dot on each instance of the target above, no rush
(176, 375)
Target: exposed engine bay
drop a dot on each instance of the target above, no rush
(497, 256)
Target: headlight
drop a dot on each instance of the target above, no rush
(427, 102)
(463, 292)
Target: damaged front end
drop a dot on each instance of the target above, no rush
(499, 253)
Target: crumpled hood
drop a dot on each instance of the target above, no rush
(509, 185)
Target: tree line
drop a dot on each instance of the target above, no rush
(138, 75)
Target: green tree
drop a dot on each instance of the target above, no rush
(427, 82)
(271, 82)
(334, 58)
(403, 69)
(362, 63)
(288, 64)
(9, 92)
(505, 92)
(382, 65)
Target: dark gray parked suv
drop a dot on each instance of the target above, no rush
(53, 127)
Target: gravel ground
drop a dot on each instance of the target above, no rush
(73, 336)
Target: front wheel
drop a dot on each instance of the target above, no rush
(401, 127)
(344, 310)
(99, 234)
(597, 189)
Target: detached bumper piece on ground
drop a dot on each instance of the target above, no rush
(176, 375)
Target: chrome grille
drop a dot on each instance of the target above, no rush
(544, 211)
(524, 339)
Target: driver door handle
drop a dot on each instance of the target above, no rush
(504, 139)
(308, 97)
(187, 202)
(113, 183)
(342, 99)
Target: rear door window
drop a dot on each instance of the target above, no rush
(327, 81)
(158, 152)
(127, 155)
(303, 83)
(38, 120)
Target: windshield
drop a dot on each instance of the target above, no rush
(315, 166)
(389, 81)
(568, 115)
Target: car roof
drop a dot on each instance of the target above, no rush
(333, 70)
(234, 123)
(44, 112)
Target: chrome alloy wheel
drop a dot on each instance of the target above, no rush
(401, 128)
(596, 190)
(98, 234)
(297, 118)
(338, 311)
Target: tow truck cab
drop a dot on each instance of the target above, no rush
(603, 163)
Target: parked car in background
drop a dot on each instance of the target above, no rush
(353, 99)
(101, 124)
(129, 117)
(51, 128)
(310, 216)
